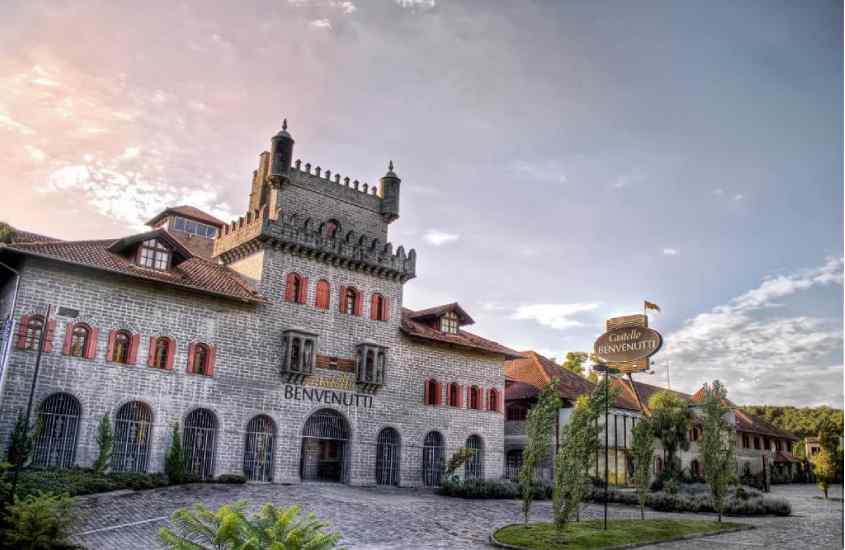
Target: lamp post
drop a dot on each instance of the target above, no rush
(607, 372)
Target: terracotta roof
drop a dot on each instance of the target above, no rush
(438, 311)
(746, 422)
(193, 273)
(520, 390)
(21, 236)
(187, 212)
(786, 456)
(698, 397)
(462, 339)
(534, 369)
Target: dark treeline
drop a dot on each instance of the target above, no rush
(802, 421)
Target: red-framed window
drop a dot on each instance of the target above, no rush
(431, 392)
(296, 288)
(351, 300)
(201, 359)
(80, 340)
(323, 294)
(455, 395)
(29, 333)
(474, 398)
(493, 400)
(379, 308)
(161, 352)
(122, 347)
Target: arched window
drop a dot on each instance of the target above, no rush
(516, 412)
(388, 457)
(258, 450)
(323, 295)
(695, 468)
(379, 310)
(332, 227)
(132, 427)
(201, 359)
(154, 255)
(350, 300)
(474, 398)
(121, 346)
(454, 395)
(80, 340)
(492, 400)
(29, 332)
(371, 365)
(161, 353)
(513, 463)
(295, 355)
(434, 456)
(57, 431)
(296, 290)
(658, 465)
(449, 323)
(198, 441)
(473, 467)
(432, 392)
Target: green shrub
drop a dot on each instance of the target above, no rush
(40, 522)
(20, 444)
(174, 461)
(230, 478)
(491, 488)
(105, 442)
(139, 481)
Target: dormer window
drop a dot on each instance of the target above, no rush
(372, 364)
(194, 228)
(449, 323)
(154, 255)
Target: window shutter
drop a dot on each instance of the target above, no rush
(68, 338)
(134, 341)
(171, 353)
(289, 297)
(191, 348)
(212, 356)
(461, 395)
(425, 392)
(385, 308)
(110, 348)
(91, 348)
(303, 290)
(374, 307)
(322, 299)
(342, 301)
(480, 394)
(48, 336)
(438, 398)
(359, 306)
(22, 328)
(151, 352)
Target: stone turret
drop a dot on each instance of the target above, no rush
(390, 194)
(281, 153)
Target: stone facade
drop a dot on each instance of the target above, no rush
(285, 234)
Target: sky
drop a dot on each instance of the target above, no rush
(561, 162)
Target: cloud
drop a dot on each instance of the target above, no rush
(549, 171)
(761, 356)
(345, 7)
(35, 154)
(321, 24)
(719, 192)
(627, 180)
(557, 316)
(670, 251)
(739, 197)
(437, 237)
(417, 4)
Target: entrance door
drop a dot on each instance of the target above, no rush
(325, 441)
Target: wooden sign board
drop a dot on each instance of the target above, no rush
(638, 320)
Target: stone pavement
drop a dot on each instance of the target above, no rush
(394, 519)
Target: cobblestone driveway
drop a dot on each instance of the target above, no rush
(408, 519)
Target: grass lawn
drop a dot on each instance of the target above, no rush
(589, 534)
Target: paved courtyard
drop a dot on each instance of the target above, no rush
(408, 519)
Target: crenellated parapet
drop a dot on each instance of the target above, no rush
(311, 238)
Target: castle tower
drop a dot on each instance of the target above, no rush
(390, 194)
(281, 153)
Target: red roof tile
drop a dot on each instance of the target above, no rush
(438, 311)
(187, 212)
(520, 390)
(463, 338)
(534, 369)
(194, 273)
(747, 422)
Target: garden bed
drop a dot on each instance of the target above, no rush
(586, 535)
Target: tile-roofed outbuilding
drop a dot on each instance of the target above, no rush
(413, 328)
(536, 370)
(747, 422)
(515, 389)
(193, 273)
(187, 212)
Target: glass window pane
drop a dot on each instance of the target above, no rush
(180, 224)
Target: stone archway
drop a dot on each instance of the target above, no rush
(325, 447)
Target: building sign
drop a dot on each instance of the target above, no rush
(628, 343)
(328, 396)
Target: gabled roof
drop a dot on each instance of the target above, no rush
(21, 236)
(122, 245)
(698, 398)
(747, 422)
(187, 212)
(194, 273)
(534, 369)
(520, 390)
(438, 311)
(412, 327)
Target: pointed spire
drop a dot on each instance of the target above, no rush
(390, 166)
(285, 124)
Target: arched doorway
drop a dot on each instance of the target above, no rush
(513, 464)
(473, 468)
(434, 456)
(132, 427)
(325, 447)
(387, 457)
(198, 442)
(258, 449)
(57, 429)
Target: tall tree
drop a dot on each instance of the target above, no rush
(717, 445)
(105, 442)
(672, 419)
(642, 451)
(540, 425)
(825, 469)
(574, 361)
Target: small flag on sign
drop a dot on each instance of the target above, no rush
(649, 305)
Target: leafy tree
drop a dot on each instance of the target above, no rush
(228, 528)
(7, 232)
(824, 467)
(40, 522)
(672, 419)
(642, 453)
(20, 444)
(574, 362)
(802, 421)
(593, 377)
(174, 461)
(458, 459)
(105, 443)
(828, 435)
(717, 445)
(540, 425)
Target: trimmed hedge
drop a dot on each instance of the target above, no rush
(490, 488)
